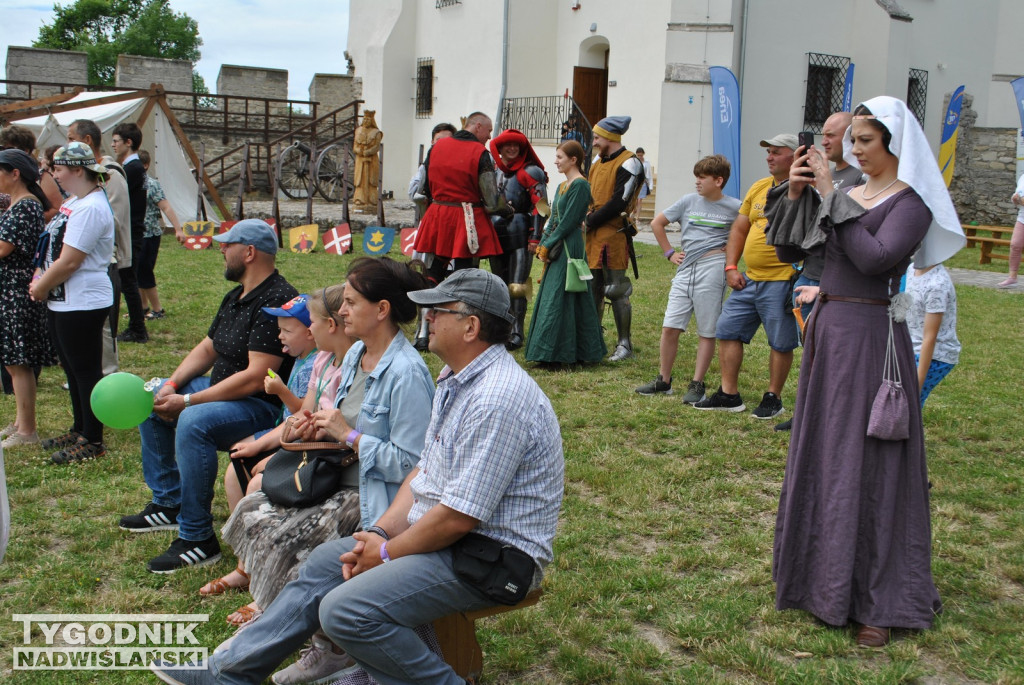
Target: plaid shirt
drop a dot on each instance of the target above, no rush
(494, 452)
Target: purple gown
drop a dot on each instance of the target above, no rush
(853, 533)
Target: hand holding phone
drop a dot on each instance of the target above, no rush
(805, 139)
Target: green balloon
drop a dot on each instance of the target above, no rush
(120, 401)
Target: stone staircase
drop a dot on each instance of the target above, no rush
(646, 213)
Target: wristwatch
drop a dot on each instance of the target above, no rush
(188, 399)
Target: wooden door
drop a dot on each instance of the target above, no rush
(590, 91)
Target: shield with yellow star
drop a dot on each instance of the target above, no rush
(377, 240)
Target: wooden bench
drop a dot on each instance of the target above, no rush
(986, 243)
(457, 635)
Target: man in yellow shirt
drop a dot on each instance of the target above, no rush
(761, 296)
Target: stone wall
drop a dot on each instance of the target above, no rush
(334, 90)
(985, 173)
(44, 66)
(252, 81)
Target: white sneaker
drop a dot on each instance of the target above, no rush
(317, 665)
(15, 439)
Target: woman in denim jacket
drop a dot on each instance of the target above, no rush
(382, 409)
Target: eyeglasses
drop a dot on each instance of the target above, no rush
(434, 311)
(116, 141)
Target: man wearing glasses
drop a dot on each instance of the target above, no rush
(492, 466)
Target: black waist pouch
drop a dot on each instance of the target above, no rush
(500, 572)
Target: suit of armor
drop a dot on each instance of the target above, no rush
(515, 233)
(522, 184)
(615, 183)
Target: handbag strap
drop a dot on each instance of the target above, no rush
(891, 368)
(290, 445)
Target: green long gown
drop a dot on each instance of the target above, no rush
(565, 327)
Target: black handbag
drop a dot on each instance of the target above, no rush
(302, 474)
(500, 572)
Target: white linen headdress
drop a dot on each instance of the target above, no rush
(919, 170)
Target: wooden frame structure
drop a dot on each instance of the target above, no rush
(156, 97)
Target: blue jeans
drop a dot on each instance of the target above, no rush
(372, 617)
(179, 458)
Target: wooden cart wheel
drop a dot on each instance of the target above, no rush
(293, 171)
(333, 170)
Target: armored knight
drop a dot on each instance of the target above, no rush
(523, 183)
(615, 181)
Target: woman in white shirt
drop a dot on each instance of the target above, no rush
(72, 279)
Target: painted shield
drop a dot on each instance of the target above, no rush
(377, 240)
(408, 240)
(225, 226)
(303, 238)
(198, 242)
(338, 240)
(197, 228)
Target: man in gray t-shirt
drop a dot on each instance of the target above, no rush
(698, 288)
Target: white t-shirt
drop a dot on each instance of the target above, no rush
(934, 293)
(1020, 194)
(704, 225)
(90, 229)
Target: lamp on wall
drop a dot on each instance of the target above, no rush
(575, 5)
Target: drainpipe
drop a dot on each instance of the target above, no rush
(740, 68)
(498, 124)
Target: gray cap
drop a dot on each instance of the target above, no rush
(477, 288)
(253, 232)
(782, 140)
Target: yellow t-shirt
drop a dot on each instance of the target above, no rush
(762, 264)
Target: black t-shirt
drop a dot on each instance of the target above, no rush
(135, 174)
(241, 327)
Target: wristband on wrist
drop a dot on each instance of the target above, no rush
(377, 530)
(188, 399)
(669, 252)
(353, 435)
(171, 383)
(730, 267)
(384, 552)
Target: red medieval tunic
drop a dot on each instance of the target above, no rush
(452, 174)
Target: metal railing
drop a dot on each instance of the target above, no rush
(549, 119)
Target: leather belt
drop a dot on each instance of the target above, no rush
(825, 297)
(457, 204)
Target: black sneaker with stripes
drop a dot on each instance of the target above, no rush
(153, 517)
(184, 553)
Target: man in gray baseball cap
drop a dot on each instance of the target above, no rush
(195, 415)
(255, 232)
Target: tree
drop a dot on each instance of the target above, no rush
(105, 29)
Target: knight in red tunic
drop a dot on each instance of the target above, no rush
(461, 194)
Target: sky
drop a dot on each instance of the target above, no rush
(305, 37)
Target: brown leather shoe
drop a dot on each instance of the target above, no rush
(870, 636)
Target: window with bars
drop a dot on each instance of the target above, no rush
(826, 75)
(917, 93)
(424, 87)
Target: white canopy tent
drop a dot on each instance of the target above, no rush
(169, 164)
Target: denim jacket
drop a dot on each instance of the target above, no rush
(393, 421)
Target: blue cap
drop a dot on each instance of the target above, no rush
(296, 308)
(612, 128)
(255, 232)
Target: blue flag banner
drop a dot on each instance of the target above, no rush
(848, 89)
(725, 127)
(950, 128)
(377, 240)
(1018, 93)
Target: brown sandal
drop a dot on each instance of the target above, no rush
(221, 585)
(870, 636)
(247, 613)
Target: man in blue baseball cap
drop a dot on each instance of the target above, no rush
(195, 415)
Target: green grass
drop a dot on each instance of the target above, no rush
(663, 555)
